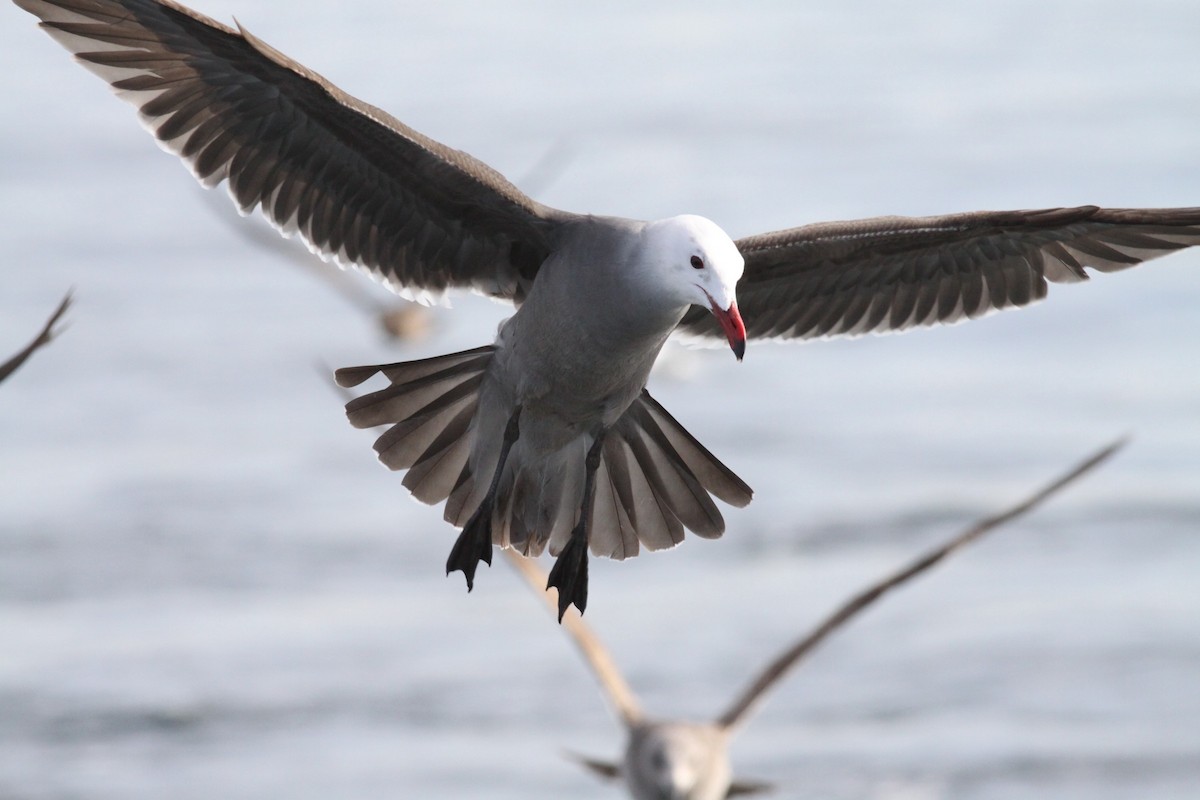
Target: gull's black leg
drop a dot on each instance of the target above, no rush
(474, 544)
(570, 572)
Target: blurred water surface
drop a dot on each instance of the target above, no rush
(209, 588)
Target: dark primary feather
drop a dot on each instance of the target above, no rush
(356, 183)
(892, 273)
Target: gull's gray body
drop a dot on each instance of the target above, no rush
(548, 435)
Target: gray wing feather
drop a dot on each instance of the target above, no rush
(358, 185)
(894, 273)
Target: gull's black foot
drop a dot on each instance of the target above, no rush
(570, 575)
(473, 545)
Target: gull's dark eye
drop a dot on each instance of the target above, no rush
(697, 262)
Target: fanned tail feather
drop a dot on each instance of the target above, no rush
(430, 406)
(654, 481)
(407, 371)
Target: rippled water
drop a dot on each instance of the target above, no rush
(208, 587)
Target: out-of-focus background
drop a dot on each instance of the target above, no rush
(209, 588)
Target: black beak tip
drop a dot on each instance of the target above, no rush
(739, 350)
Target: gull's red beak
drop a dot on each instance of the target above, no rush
(731, 323)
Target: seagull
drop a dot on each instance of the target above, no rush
(669, 758)
(547, 438)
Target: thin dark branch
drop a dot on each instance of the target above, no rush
(43, 338)
(790, 657)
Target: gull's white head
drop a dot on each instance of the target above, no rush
(696, 263)
(677, 761)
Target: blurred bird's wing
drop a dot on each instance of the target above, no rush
(777, 669)
(598, 659)
(602, 769)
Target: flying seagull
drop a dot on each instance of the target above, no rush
(547, 437)
(690, 760)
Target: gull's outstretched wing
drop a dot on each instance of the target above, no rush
(593, 650)
(778, 668)
(892, 273)
(357, 184)
(41, 340)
